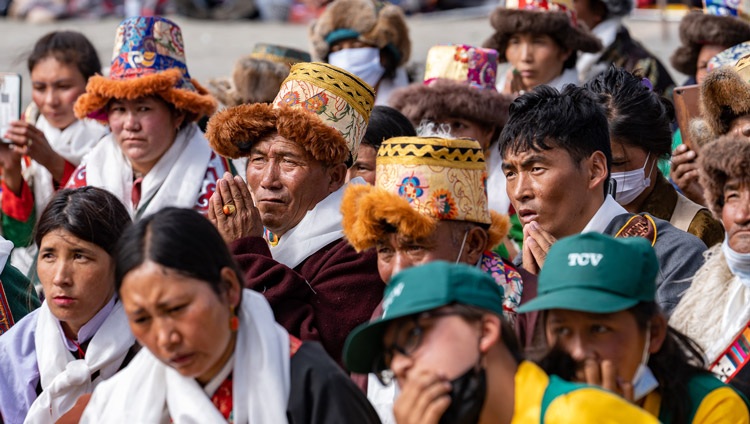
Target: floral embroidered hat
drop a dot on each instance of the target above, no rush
(323, 108)
(148, 59)
(420, 181)
(459, 82)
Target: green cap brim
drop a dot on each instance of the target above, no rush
(364, 344)
(580, 299)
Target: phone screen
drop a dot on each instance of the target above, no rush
(10, 101)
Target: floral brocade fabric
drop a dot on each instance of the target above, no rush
(506, 277)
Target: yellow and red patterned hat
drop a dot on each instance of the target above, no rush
(323, 108)
(419, 182)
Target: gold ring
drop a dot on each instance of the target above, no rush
(229, 209)
(28, 142)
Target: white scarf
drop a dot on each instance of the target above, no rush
(260, 384)
(606, 31)
(175, 180)
(72, 143)
(64, 379)
(320, 227)
(497, 195)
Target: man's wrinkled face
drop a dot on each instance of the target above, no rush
(735, 215)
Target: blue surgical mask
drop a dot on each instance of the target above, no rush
(363, 62)
(644, 381)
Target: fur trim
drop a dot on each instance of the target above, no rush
(100, 90)
(723, 93)
(253, 81)
(698, 29)
(699, 313)
(233, 131)
(499, 228)
(446, 98)
(368, 213)
(719, 161)
(556, 24)
(388, 26)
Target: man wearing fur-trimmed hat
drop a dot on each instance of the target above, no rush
(369, 38)
(604, 18)
(286, 235)
(429, 203)
(715, 310)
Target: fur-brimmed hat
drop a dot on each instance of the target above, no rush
(420, 181)
(698, 29)
(148, 60)
(725, 95)
(459, 82)
(723, 159)
(257, 76)
(374, 22)
(323, 108)
(555, 18)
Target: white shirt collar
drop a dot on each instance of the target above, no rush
(212, 386)
(606, 213)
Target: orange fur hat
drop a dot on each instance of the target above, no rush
(148, 60)
(420, 181)
(323, 108)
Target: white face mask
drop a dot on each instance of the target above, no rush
(630, 184)
(644, 381)
(738, 263)
(363, 62)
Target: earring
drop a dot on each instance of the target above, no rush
(234, 322)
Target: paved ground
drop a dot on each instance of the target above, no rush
(213, 46)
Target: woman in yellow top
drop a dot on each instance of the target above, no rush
(597, 295)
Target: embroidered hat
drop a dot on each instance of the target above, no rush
(377, 23)
(459, 82)
(725, 94)
(420, 181)
(148, 60)
(415, 290)
(257, 77)
(593, 272)
(323, 108)
(555, 18)
(729, 57)
(721, 23)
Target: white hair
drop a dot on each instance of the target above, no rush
(430, 129)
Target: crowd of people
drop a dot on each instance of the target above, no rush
(520, 235)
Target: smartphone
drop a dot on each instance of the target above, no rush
(10, 101)
(687, 107)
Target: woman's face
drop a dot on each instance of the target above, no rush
(537, 58)
(180, 319)
(77, 277)
(145, 129)
(364, 166)
(55, 86)
(597, 337)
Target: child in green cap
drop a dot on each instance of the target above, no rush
(442, 337)
(597, 295)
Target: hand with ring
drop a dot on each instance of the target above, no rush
(233, 211)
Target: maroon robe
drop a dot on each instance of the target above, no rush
(323, 298)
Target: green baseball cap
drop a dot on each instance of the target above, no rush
(420, 289)
(596, 273)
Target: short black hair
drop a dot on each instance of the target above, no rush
(179, 239)
(387, 122)
(545, 118)
(637, 116)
